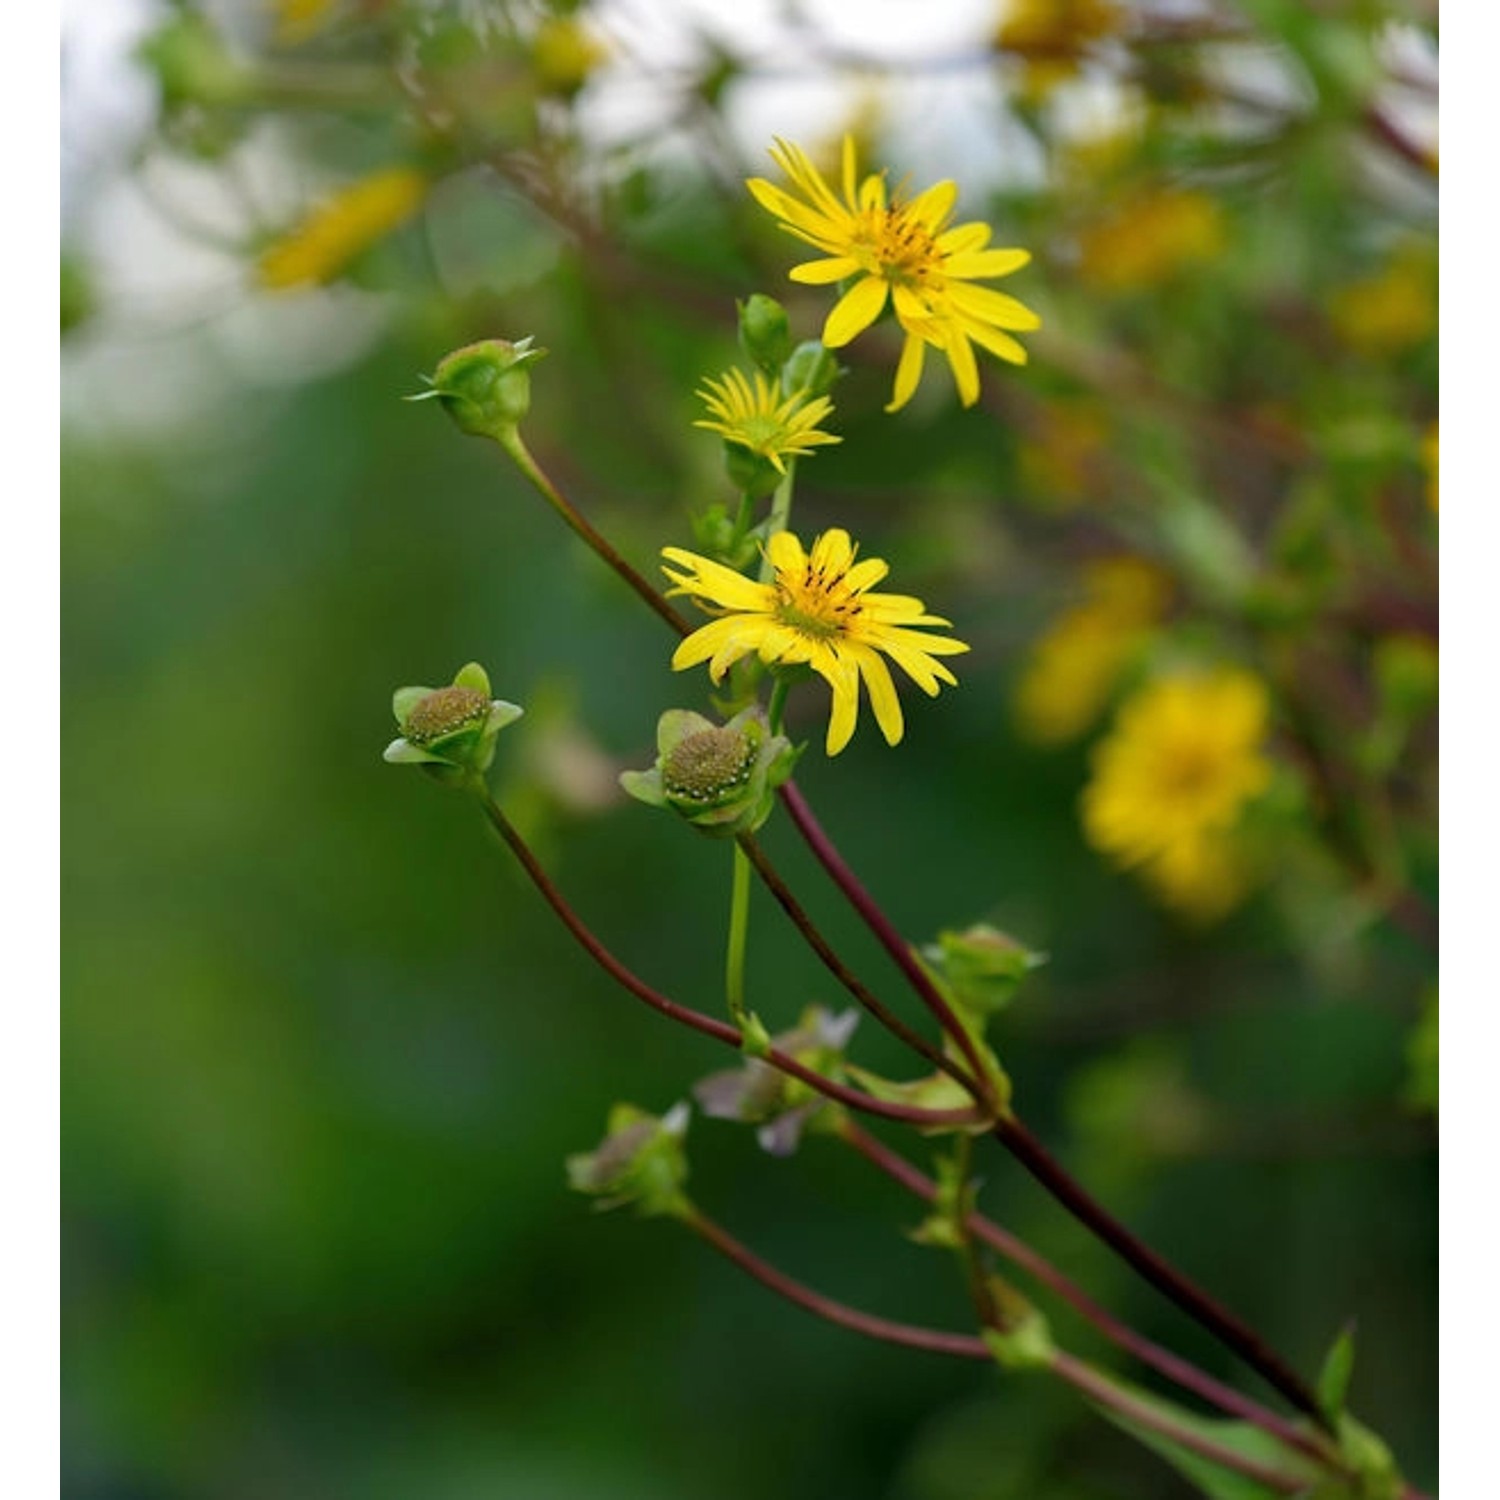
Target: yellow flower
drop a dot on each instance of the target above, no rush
(564, 54)
(1171, 780)
(1430, 463)
(335, 232)
(816, 610)
(1073, 668)
(1149, 238)
(1390, 312)
(297, 20)
(758, 418)
(901, 251)
(1053, 35)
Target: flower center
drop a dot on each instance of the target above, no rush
(902, 246)
(443, 711)
(816, 604)
(708, 764)
(1189, 771)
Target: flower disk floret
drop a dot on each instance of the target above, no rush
(816, 610)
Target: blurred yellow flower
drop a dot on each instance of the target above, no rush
(338, 230)
(816, 610)
(1430, 463)
(1172, 779)
(1072, 669)
(1054, 35)
(1390, 312)
(1061, 457)
(1149, 238)
(760, 419)
(564, 53)
(297, 20)
(898, 250)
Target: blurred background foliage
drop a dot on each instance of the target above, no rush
(325, 1054)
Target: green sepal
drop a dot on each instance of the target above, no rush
(755, 1040)
(486, 387)
(1371, 1460)
(952, 1204)
(936, 1092)
(1333, 1378)
(980, 968)
(812, 368)
(469, 746)
(1023, 1341)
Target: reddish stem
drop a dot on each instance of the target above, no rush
(933, 1340)
(721, 1031)
(1176, 1369)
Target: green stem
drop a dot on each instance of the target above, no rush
(739, 926)
(774, 713)
(781, 510)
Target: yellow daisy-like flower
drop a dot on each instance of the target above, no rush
(816, 610)
(758, 418)
(900, 251)
(1172, 779)
(1073, 668)
(335, 232)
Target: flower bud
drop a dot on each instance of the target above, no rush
(640, 1160)
(192, 64)
(812, 368)
(765, 332)
(485, 387)
(720, 777)
(450, 731)
(980, 968)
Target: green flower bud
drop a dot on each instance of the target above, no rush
(450, 731)
(1023, 1341)
(980, 968)
(811, 368)
(721, 778)
(485, 387)
(640, 1160)
(192, 64)
(765, 332)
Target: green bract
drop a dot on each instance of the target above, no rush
(485, 387)
(720, 777)
(765, 332)
(450, 730)
(980, 968)
(640, 1160)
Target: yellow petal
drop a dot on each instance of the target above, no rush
(934, 205)
(842, 676)
(855, 311)
(993, 307)
(786, 553)
(976, 265)
(832, 552)
(822, 272)
(883, 697)
(713, 581)
(908, 372)
(965, 371)
(711, 640)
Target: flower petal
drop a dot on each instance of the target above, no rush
(883, 697)
(822, 272)
(855, 311)
(908, 372)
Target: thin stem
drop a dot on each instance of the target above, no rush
(781, 511)
(879, 924)
(966, 1346)
(1019, 1141)
(739, 926)
(720, 1031)
(1176, 1369)
(521, 455)
(1103, 1391)
(1167, 1279)
(776, 710)
(840, 971)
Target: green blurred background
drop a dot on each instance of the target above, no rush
(325, 1051)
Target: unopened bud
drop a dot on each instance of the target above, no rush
(486, 387)
(765, 332)
(812, 368)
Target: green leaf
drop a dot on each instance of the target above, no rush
(1211, 1478)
